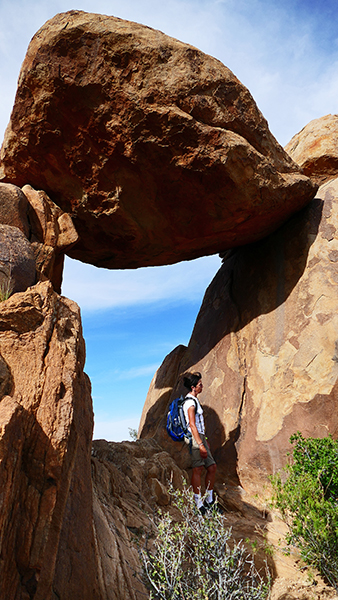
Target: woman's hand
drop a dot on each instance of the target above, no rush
(203, 451)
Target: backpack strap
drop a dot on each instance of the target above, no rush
(190, 437)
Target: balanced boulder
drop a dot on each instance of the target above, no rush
(156, 149)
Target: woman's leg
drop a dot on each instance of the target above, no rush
(210, 477)
(196, 479)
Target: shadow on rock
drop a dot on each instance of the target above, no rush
(254, 280)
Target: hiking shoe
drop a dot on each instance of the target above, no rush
(203, 509)
(212, 506)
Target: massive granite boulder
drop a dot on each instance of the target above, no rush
(47, 544)
(156, 150)
(315, 148)
(266, 343)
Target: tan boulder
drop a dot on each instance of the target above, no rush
(315, 149)
(155, 149)
(14, 208)
(51, 233)
(49, 229)
(266, 342)
(47, 539)
(17, 263)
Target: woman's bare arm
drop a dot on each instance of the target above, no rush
(192, 423)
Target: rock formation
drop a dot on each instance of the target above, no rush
(14, 208)
(142, 150)
(45, 443)
(266, 342)
(17, 261)
(130, 483)
(38, 233)
(315, 149)
(52, 233)
(155, 149)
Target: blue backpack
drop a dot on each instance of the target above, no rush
(176, 423)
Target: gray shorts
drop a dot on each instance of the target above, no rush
(196, 459)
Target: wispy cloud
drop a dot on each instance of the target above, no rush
(94, 288)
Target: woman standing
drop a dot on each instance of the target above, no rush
(201, 456)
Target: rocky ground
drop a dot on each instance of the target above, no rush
(131, 481)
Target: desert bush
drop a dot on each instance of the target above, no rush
(306, 493)
(6, 285)
(197, 558)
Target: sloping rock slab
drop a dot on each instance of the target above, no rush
(157, 150)
(130, 482)
(265, 341)
(315, 149)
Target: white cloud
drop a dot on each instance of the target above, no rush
(94, 288)
(136, 372)
(115, 430)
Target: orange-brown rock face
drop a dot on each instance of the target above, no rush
(315, 148)
(156, 150)
(131, 481)
(266, 342)
(46, 540)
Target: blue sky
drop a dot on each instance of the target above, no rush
(286, 53)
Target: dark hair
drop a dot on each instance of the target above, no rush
(190, 380)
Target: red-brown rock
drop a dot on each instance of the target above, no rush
(51, 233)
(315, 149)
(47, 539)
(130, 481)
(265, 341)
(17, 263)
(156, 150)
(14, 208)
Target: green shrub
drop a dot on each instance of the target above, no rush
(6, 289)
(308, 501)
(197, 559)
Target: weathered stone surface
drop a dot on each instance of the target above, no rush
(156, 150)
(14, 207)
(17, 263)
(315, 149)
(46, 539)
(266, 342)
(51, 233)
(130, 484)
(130, 481)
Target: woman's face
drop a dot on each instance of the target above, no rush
(198, 387)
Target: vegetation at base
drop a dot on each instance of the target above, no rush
(6, 289)
(197, 558)
(308, 501)
(132, 434)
